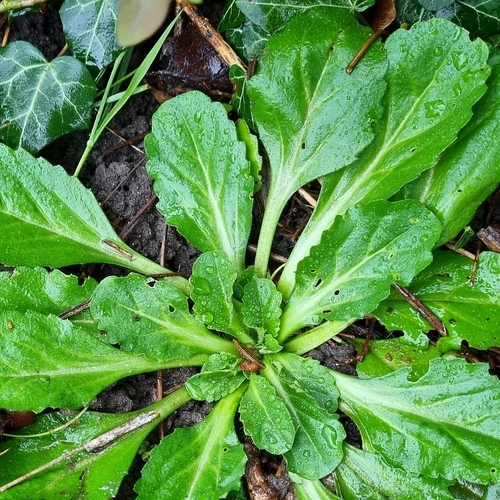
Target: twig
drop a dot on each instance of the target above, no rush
(75, 310)
(131, 224)
(436, 323)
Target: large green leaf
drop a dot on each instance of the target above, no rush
(467, 172)
(366, 476)
(50, 219)
(47, 362)
(153, 321)
(41, 100)
(469, 312)
(90, 30)
(351, 270)
(317, 448)
(480, 17)
(202, 177)
(447, 423)
(265, 417)
(435, 76)
(312, 116)
(311, 490)
(204, 461)
(94, 473)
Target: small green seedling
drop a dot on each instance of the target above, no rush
(397, 144)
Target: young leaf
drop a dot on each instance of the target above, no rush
(311, 490)
(385, 356)
(469, 312)
(47, 361)
(212, 279)
(435, 75)
(41, 100)
(467, 172)
(350, 272)
(265, 417)
(94, 473)
(219, 376)
(317, 448)
(153, 321)
(50, 219)
(38, 290)
(262, 307)
(312, 116)
(444, 424)
(89, 28)
(314, 378)
(202, 177)
(366, 476)
(204, 461)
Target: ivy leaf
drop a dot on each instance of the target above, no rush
(469, 312)
(467, 172)
(350, 272)
(212, 279)
(203, 461)
(202, 177)
(90, 29)
(153, 321)
(219, 376)
(366, 476)
(317, 448)
(94, 472)
(481, 18)
(265, 417)
(315, 379)
(47, 362)
(41, 100)
(262, 307)
(312, 116)
(435, 75)
(52, 220)
(444, 424)
(386, 356)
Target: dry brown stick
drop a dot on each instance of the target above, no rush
(6, 35)
(436, 323)
(75, 310)
(131, 224)
(212, 36)
(125, 142)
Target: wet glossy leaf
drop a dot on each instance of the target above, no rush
(350, 272)
(90, 30)
(366, 476)
(139, 19)
(52, 220)
(203, 461)
(444, 424)
(317, 448)
(435, 76)
(153, 321)
(219, 376)
(315, 379)
(309, 490)
(467, 172)
(385, 356)
(262, 307)
(212, 279)
(47, 362)
(41, 100)
(480, 17)
(312, 116)
(97, 474)
(265, 417)
(201, 174)
(470, 313)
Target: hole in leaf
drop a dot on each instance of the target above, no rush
(452, 321)
(391, 255)
(171, 308)
(390, 310)
(303, 145)
(412, 150)
(318, 283)
(336, 292)
(312, 271)
(327, 311)
(493, 470)
(136, 318)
